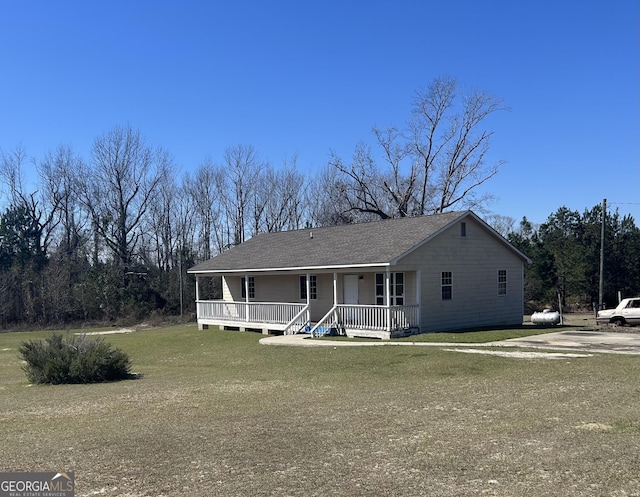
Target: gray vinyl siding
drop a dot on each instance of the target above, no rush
(282, 288)
(474, 261)
(268, 288)
(324, 302)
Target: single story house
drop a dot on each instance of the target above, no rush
(382, 279)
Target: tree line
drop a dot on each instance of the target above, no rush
(110, 236)
(566, 252)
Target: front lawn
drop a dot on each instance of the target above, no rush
(216, 413)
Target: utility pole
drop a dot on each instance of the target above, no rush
(601, 288)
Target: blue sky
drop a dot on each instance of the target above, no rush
(295, 77)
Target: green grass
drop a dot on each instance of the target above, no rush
(216, 413)
(584, 321)
(484, 336)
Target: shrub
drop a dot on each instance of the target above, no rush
(73, 359)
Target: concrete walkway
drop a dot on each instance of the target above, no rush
(583, 341)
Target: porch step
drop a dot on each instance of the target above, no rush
(321, 331)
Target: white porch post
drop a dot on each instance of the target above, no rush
(308, 297)
(388, 298)
(200, 325)
(197, 295)
(246, 297)
(419, 296)
(335, 294)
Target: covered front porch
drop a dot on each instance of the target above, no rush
(376, 304)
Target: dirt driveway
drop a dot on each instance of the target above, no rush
(576, 340)
(591, 341)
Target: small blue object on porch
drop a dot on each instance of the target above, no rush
(321, 331)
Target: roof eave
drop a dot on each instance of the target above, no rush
(290, 269)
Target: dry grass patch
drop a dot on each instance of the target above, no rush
(218, 414)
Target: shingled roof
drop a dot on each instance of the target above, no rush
(353, 245)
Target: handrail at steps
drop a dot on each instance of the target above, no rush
(323, 320)
(296, 319)
(370, 317)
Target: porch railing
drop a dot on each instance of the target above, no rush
(280, 313)
(377, 317)
(291, 317)
(298, 322)
(371, 317)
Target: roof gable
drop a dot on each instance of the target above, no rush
(356, 245)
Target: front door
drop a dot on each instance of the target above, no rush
(350, 289)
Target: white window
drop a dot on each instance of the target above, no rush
(396, 286)
(252, 288)
(502, 282)
(447, 285)
(313, 287)
(379, 289)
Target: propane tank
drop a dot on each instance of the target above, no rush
(545, 317)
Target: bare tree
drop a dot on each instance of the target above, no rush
(450, 146)
(58, 172)
(11, 172)
(40, 208)
(68, 258)
(117, 188)
(236, 189)
(327, 196)
(161, 221)
(398, 187)
(361, 189)
(278, 198)
(202, 191)
(502, 224)
(435, 164)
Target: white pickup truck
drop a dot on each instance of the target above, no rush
(627, 312)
